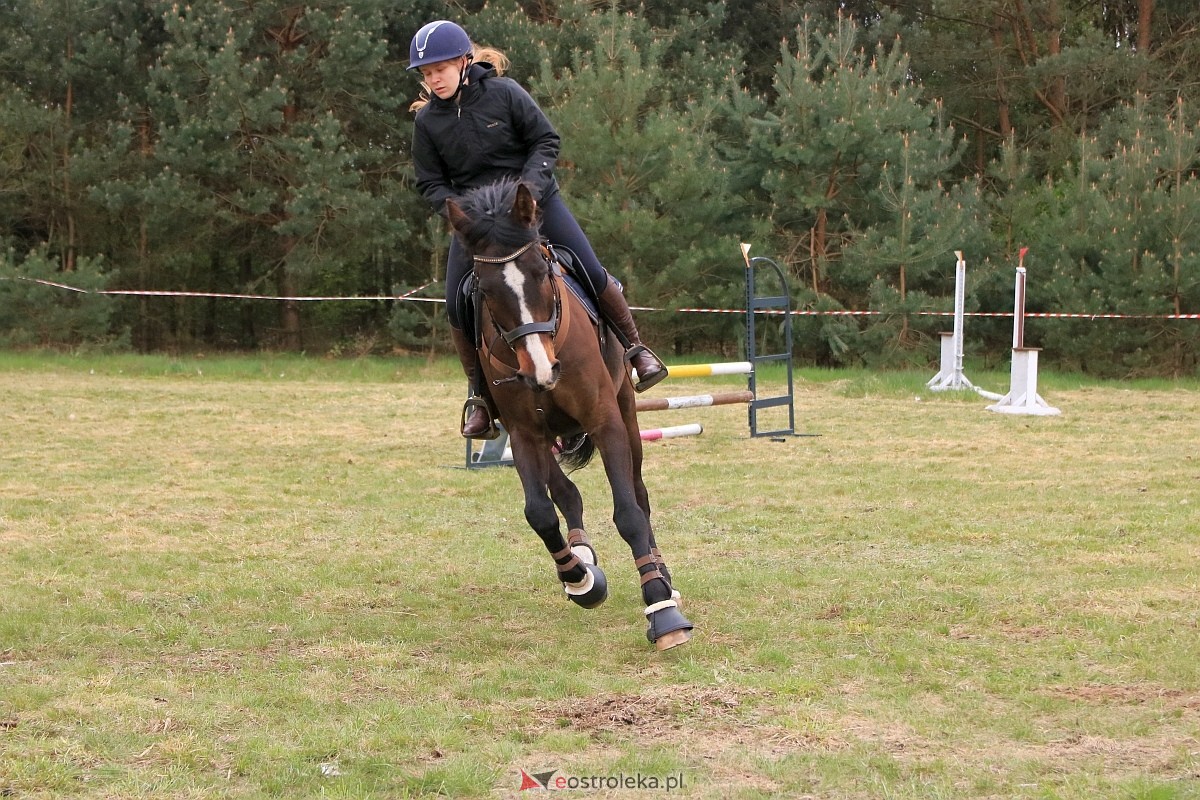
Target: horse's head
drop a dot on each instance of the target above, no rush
(498, 224)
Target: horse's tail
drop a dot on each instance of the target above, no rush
(577, 452)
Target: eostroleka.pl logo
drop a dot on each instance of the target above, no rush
(557, 780)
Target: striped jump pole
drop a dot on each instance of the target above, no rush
(697, 400)
(704, 370)
(693, 401)
(672, 432)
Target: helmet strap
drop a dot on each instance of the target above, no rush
(462, 77)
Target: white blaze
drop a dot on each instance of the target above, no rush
(533, 344)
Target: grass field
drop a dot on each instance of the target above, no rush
(272, 577)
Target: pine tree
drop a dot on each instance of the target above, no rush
(851, 162)
(905, 259)
(639, 168)
(1150, 263)
(273, 120)
(1114, 234)
(61, 69)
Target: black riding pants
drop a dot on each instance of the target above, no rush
(558, 225)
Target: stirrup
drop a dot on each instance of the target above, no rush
(645, 381)
(473, 402)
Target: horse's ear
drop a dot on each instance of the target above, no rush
(457, 218)
(525, 207)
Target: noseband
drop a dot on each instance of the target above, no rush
(530, 328)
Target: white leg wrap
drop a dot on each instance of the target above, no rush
(659, 606)
(584, 554)
(582, 587)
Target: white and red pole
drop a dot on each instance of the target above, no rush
(1019, 302)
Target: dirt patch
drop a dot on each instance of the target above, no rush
(1024, 633)
(1129, 694)
(648, 714)
(711, 726)
(1146, 756)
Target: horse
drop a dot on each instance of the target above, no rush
(562, 389)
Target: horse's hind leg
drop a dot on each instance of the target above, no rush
(584, 582)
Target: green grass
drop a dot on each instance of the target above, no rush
(271, 577)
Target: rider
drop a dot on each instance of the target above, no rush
(474, 127)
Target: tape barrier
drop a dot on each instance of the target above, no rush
(233, 296)
(408, 297)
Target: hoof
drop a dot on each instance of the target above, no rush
(668, 627)
(591, 591)
(673, 639)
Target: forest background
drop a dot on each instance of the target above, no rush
(262, 148)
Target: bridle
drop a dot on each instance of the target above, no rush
(530, 328)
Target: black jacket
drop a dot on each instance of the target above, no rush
(492, 130)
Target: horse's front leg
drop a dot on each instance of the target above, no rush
(667, 625)
(627, 403)
(585, 583)
(570, 504)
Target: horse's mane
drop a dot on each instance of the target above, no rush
(489, 209)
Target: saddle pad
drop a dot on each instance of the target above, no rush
(577, 289)
(568, 266)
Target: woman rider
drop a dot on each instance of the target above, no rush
(474, 127)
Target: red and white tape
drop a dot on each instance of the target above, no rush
(408, 297)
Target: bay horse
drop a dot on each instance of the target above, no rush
(555, 377)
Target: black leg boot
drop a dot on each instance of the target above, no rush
(477, 416)
(616, 312)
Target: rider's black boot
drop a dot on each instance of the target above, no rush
(616, 312)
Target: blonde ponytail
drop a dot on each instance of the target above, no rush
(491, 55)
(422, 99)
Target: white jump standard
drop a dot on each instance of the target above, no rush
(1022, 397)
(951, 376)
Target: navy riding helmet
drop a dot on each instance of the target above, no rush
(437, 41)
